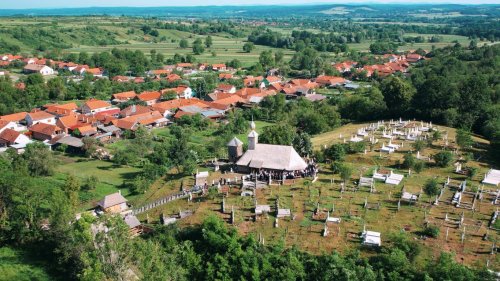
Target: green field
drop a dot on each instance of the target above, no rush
(18, 265)
(111, 177)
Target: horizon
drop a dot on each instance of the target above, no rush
(89, 4)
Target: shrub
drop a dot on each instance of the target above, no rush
(443, 158)
(431, 231)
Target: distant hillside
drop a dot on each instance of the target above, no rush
(276, 11)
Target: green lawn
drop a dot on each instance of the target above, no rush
(111, 177)
(19, 266)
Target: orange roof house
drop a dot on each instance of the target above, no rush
(95, 106)
(149, 98)
(225, 76)
(15, 117)
(61, 109)
(134, 110)
(124, 96)
(219, 67)
(330, 80)
(173, 77)
(153, 118)
(43, 131)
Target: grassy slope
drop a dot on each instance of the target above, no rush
(19, 266)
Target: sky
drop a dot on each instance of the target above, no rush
(25, 4)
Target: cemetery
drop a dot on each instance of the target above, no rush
(315, 209)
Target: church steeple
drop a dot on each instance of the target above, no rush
(253, 137)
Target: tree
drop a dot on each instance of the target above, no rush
(208, 41)
(419, 166)
(431, 188)
(278, 57)
(248, 47)
(443, 158)
(183, 44)
(39, 159)
(464, 138)
(71, 188)
(345, 172)
(90, 146)
(182, 155)
(90, 183)
(198, 48)
(419, 145)
(139, 185)
(398, 94)
(266, 58)
(409, 161)
(281, 134)
(302, 144)
(336, 152)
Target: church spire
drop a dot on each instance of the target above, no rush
(253, 137)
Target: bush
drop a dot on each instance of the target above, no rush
(431, 187)
(431, 231)
(443, 158)
(335, 152)
(419, 166)
(409, 161)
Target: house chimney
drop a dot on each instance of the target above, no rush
(120, 191)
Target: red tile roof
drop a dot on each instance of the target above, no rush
(40, 115)
(9, 135)
(149, 96)
(96, 104)
(45, 129)
(125, 95)
(15, 117)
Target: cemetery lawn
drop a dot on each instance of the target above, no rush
(303, 196)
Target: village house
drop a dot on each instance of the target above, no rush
(167, 108)
(120, 79)
(225, 76)
(219, 67)
(344, 67)
(184, 65)
(134, 110)
(149, 98)
(68, 122)
(93, 106)
(270, 80)
(225, 88)
(42, 131)
(9, 137)
(9, 57)
(80, 69)
(124, 96)
(183, 92)
(414, 57)
(61, 109)
(114, 204)
(148, 119)
(4, 125)
(216, 96)
(39, 116)
(19, 119)
(96, 72)
(250, 81)
(330, 81)
(173, 77)
(36, 68)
